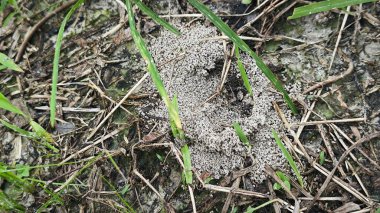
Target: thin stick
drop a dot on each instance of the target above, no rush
(307, 115)
(131, 91)
(339, 37)
(138, 174)
(30, 32)
(343, 184)
(227, 67)
(344, 155)
(329, 149)
(244, 28)
(310, 123)
(102, 94)
(71, 109)
(272, 196)
(286, 124)
(220, 15)
(340, 131)
(324, 198)
(230, 196)
(90, 146)
(358, 178)
(192, 199)
(236, 191)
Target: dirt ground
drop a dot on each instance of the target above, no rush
(115, 151)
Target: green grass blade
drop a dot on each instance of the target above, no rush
(322, 157)
(16, 128)
(243, 138)
(54, 199)
(324, 6)
(9, 63)
(15, 180)
(41, 132)
(155, 17)
(57, 53)
(7, 105)
(244, 46)
(288, 157)
(126, 203)
(187, 164)
(176, 132)
(251, 210)
(3, 4)
(284, 179)
(9, 205)
(243, 72)
(246, 1)
(152, 69)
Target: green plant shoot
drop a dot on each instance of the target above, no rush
(57, 53)
(288, 157)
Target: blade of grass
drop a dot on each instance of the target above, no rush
(57, 53)
(152, 69)
(244, 46)
(243, 73)
(8, 19)
(187, 164)
(155, 17)
(16, 128)
(243, 138)
(7, 105)
(324, 6)
(176, 132)
(14, 179)
(251, 210)
(9, 205)
(288, 157)
(282, 176)
(77, 173)
(41, 132)
(127, 205)
(3, 4)
(54, 199)
(322, 158)
(9, 63)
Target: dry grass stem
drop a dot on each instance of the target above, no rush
(138, 174)
(310, 123)
(287, 126)
(111, 134)
(130, 92)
